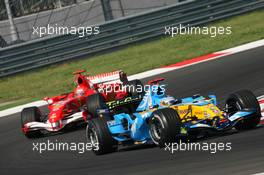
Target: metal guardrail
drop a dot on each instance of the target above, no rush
(120, 32)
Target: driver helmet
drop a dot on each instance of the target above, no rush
(80, 90)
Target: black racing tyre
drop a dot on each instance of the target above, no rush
(240, 100)
(135, 88)
(98, 134)
(95, 102)
(164, 126)
(31, 114)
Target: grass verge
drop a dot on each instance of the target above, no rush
(56, 79)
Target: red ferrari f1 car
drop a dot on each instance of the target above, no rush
(78, 105)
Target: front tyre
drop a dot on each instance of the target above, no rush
(31, 114)
(241, 100)
(98, 135)
(164, 126)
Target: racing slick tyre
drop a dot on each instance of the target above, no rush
(135, 88)
(240, 100)
(164, 126)
(31, 114)
(95, 102)
(98, 135)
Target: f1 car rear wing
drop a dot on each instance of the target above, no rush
(110, 77)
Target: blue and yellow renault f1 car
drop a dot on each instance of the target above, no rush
(161, 119)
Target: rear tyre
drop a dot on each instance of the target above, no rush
(95, 102)
(240, 100)
(98, 135)
(164, 126)
(135, 88)
(31, 114)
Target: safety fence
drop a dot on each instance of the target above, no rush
(118, 33)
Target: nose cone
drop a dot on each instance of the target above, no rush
(56, 113)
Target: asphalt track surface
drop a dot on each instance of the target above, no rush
(244, 70)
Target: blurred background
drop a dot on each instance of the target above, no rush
(17, 17)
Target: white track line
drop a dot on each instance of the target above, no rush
(259, 173)
(244, 47)
(150, 73)
(17, 109)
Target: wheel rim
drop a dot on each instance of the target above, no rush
(233, 106)
(92, 136)
(156, 129)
